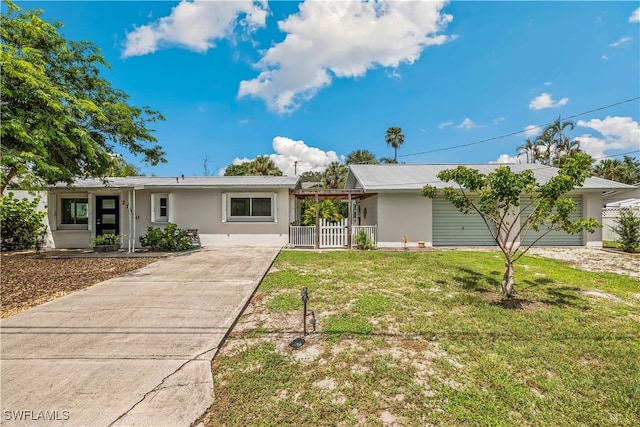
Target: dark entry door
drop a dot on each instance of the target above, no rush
(107, 215)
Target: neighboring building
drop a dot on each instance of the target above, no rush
(238, 210)
(395, 204)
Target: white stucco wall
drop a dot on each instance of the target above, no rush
(592, 208)
(403, 214)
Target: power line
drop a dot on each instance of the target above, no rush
(482, 141)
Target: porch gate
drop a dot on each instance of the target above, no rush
(332, 234)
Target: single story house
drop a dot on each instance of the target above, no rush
(385, 203)
(244, 210)
(392, 200)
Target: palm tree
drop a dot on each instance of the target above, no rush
(263, 165)
(394, 138)
(546, 142)
(361, 157)
(567, 150)
(626, 171)
(529, 150)
(335, 175)
(557, 134)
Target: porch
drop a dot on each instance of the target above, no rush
(329, 234)
(332, 235)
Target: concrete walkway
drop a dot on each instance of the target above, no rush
(132, 351)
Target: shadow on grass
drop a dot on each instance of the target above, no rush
(474, 281)
(565, 296)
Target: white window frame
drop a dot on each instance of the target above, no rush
(59, 214)
(226, 208)
(156, 208)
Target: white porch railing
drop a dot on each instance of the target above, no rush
(332, 235)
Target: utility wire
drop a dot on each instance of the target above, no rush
(482, 141)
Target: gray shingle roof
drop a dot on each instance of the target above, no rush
(414, 177)
(140, 182)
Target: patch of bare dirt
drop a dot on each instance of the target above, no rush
(27, 279)
(594, 259)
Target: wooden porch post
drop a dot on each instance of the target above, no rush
(349, 222)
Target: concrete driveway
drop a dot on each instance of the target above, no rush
(132, 351)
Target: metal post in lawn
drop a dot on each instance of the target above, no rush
(305, 297)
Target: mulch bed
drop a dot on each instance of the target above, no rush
(27, 279)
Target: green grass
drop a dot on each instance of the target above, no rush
(426, 338)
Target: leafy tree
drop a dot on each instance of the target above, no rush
(261, 166)
(361, 157)
(22, 225)
(628, 229)
(387, 161)
(311, 177)
(395, 139)
(495, 196)
(335, 175)
(121, 168)
(326, 210)
(626, 171)
(60, 118)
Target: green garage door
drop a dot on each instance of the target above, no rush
(453, 228)
(555, 238)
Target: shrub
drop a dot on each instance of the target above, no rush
(106, 239)
(22, 225)
(628, 228)
(363, 241)
(171, 238)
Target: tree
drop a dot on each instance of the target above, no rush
(626, 171)
(361, 157)
(529, 149)
(60, 119)
(311, 176)
(628, 229)
(326, 210)
(205, 164)
(495, 196)
(335, 175)
(556, 144)
(120, 167)
(260, 166)
(395, 139)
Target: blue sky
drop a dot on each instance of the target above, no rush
(312, 81)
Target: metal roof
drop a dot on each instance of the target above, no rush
(413, 177)
(141, 182)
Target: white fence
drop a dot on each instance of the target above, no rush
(332, 234)
(610, 220)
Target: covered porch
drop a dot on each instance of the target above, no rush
(328, 234)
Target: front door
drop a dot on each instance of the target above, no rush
(107, 215)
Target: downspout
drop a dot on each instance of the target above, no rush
(130, 224)
(134, 219)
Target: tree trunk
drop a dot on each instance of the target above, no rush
(12, 173)
(508, 279)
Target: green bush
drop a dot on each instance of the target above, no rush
(628, 228)
(106, 239)
(22, 226)
(170, 238)
(363, 241)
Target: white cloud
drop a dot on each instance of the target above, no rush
(531, 130)
(466, 124)
(505, 158)
(343, 39)
(620, 42)
(545, 101)
(605, 57)
(498, 120)
(196, 25)
(635, 16)
(618, 133)
(445, 125)
(547, 83)
(288, 151)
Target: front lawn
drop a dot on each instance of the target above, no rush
(425, 339)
